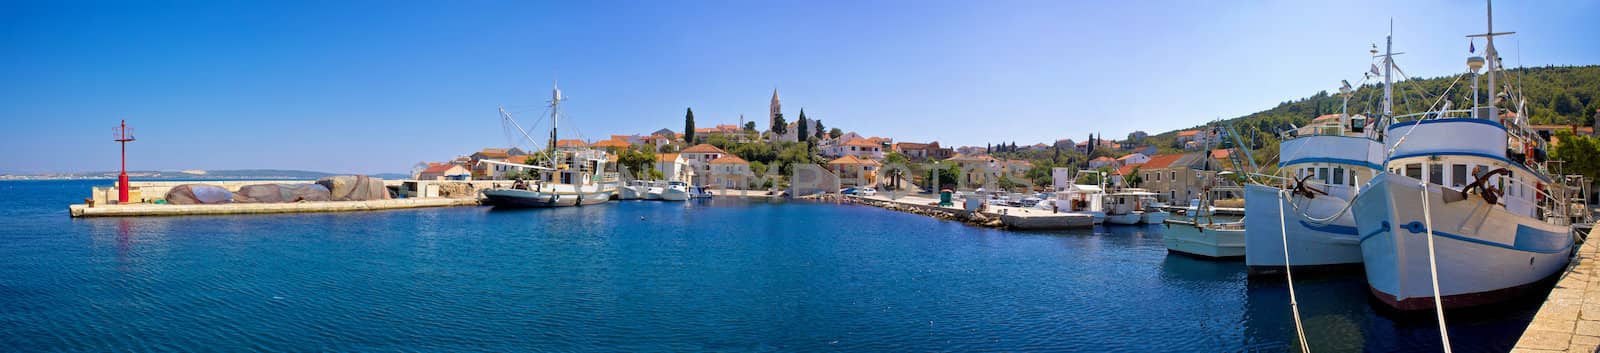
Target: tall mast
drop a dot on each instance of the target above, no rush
(1493, 59)
(1388, 68)
(555, 117)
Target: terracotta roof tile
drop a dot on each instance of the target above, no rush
(729, 159)
(703, 148)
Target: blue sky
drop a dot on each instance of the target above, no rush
(376, 86)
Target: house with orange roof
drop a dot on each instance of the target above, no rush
(699, 158)
(571, 144)
(1103, 161)
(730, 172)
(1548, 132)
(1178, 177)
(612, 144)
(855, 171)
(975, 170)
(1016, 167)
(443, 171)
(674, 168)
(1133, 158)
(922, 151)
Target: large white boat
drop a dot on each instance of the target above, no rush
(1198, 234)
(1321, 169)
(675, 191)
(1476, 181)
(634, 190)
(568, 178)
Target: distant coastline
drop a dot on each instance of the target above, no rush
(192, 175)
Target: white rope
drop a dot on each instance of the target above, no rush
(1433, 268)
(1294, 304)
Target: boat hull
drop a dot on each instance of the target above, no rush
(629, 193)
(1484, 254)
(671, 194)
(1153, 216)
(1311, 244)
(1130, 218)
(1208, 242)
(654, 193)
(518, 198)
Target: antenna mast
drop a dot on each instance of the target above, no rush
(123, 137)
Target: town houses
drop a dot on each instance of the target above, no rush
(730, 153)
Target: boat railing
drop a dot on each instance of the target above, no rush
(1455, 113)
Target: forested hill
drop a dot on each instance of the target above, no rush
(1556, 95)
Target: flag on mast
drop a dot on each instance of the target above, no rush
(1472, 46)
(1375, 71)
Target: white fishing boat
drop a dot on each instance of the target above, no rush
(1083, 199)
(1322, 167)
(1127, 207)
(635, 190)
(653, 190)
(1198, 233)
(1476, 181)
(1154, 212)
(675, 191)
(569, 178)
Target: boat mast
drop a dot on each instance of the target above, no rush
(1492, 58)
(555, 116)
(1388, 68)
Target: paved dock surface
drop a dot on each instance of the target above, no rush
(1569, 320)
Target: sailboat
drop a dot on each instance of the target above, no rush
(567, 178)
(1465, 209)
(1321, 169)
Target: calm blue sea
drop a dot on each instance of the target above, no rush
(724, 275)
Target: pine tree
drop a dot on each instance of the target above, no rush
(802, 127)
(688, 126)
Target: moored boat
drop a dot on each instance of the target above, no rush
(1476, 181)
(566, 178)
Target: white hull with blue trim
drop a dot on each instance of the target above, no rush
(1311, 243)
(1484, 252)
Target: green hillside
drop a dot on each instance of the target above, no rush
(1556, 95)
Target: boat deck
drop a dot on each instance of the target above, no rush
(1569, 320)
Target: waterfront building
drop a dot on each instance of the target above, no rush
(855, 171)
(1103, 161)
(444, 171)
(674, 167)
(921, 151)
(730, 172)
(1133, 158)
(1177, 177)
(570, 145)
(699, 158)
(1016, 167)
(496, 153)
(860, 148)
(613, 143)
(975, 169)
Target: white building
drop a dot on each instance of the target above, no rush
(1133, 158)
(699, 158)
(674, 168)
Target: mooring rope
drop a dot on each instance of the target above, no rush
(1433, 268)
(1294, 304)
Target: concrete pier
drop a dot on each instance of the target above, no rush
(993, 216)
(144, 209)
(1569, 320)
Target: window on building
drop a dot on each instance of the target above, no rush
(1172, 175)
(1414, 170)
(1458, 175)
(1436, 174)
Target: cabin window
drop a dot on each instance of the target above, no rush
(1436, 174)
(1458, 175)
(1414, 170)
(1338, 176)
(1322, 175)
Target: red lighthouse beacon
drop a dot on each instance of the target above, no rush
(124, 135)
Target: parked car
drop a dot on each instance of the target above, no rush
(848, 191)
(866, 191)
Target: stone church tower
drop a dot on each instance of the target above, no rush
(776, 107)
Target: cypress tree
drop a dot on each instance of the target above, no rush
(688, 126)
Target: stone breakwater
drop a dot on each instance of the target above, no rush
(943, 213)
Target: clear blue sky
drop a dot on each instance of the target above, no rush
(376, 86)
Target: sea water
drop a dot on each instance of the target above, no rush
(704, 275)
